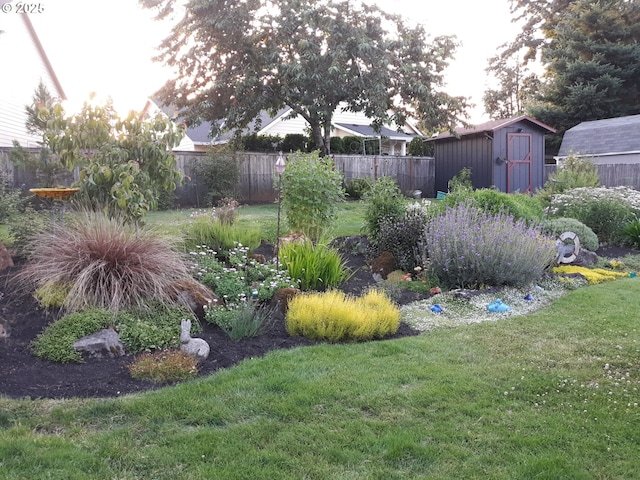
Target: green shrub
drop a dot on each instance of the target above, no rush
(294, 142)
(520, 206)
(11, 200)
(311, 189)
(631, 233)
(461, 181)
(575, 172)
(55, 343)
(219, 236)
(336, 144)
(402, 237)
(605, 210)
(316, 267)
(383, 201)
(24, 228)
(468, 247)
(357, 187)
(352, 145)
(555, 227)
(335, 317)
(164, 366)
(156, 328)
(219, 171)
(107, 263)
(419, 148)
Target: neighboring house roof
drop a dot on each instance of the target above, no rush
(283, 123)
(492, 126)
(611, 136)
(369, 131)
(22, 54)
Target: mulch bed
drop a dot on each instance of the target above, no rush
(22, 374)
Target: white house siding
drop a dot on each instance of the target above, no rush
(22, 70)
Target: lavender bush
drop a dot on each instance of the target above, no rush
(468, 248)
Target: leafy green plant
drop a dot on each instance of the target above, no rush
(461, 181)
(247, 321)
(556, 226)
(220, 174)
(468, 247)
(311, 190)
(55, 343)
(241, 278)
(357, 187)
(383, 201)
(11, 200)
(164, 366)
(24, 228)
(631, 233)
(520, 206)
(314, 266)
(334, 316)
(574, 172)
(402, 237)
(604, 210)
(107, 263)
(154, 328)
(219, 236)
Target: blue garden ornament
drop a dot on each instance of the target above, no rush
(528, 297)
(498, 307)
(435, 308)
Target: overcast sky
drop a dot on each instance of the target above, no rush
(106, 47)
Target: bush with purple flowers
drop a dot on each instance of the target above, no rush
(468, 247)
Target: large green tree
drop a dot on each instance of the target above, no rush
(234, 59)
(590, 50)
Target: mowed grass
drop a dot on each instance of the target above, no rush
(550, 395)
(349, 221)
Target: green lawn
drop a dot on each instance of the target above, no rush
(350, 219)
(550, 395)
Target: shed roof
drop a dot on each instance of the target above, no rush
(492, 126)
(602, 137)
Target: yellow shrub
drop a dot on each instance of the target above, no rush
(593, 275)
(52, 294)
(334, 316)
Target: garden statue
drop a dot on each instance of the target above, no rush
(568, 252)
(196, 347)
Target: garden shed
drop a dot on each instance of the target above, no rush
(608, 141)
(506, 154)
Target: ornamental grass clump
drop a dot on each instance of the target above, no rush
(469, 248)
(315, 267)
(106, 263)
(334, 316)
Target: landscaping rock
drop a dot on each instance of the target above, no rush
(283, 296)
(585, 258)
(105, 343)
(5, 258)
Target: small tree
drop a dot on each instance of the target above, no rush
(311, 189)
(124, 163)
(220, 174)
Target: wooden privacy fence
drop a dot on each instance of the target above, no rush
(611, 175)
(258, 181)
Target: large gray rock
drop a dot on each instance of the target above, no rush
(585, 258)
(105, 343)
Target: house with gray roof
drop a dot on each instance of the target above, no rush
(608, 141)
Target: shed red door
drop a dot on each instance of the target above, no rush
(519, 167)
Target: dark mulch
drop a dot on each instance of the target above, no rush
(22, 374)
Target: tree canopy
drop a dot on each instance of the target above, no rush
(234, 59)
(590, 51)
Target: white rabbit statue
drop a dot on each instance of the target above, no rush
(196, 347)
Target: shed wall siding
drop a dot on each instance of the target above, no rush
(473, 152)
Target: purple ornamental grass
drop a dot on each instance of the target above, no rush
(468, 247)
